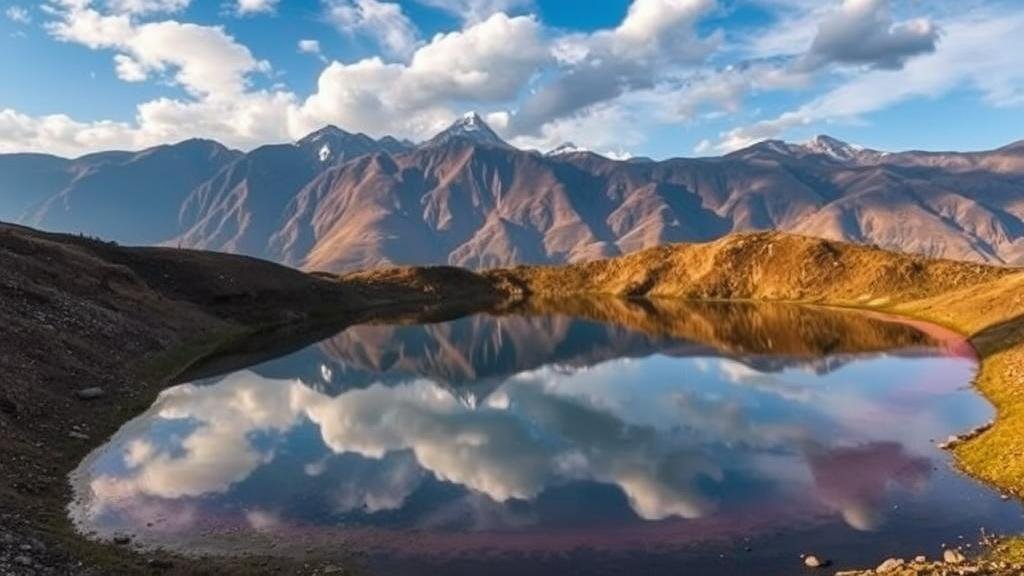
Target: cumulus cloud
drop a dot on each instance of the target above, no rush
(477, 10)
(204, 60)
(607, 90)
(307, 46)
(147, 6)
(251, 7)
(384, 22)
(413, 99)
(863, 32)
(18, 15)
(656, 37)
(966, 59)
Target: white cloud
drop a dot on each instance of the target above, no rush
(309, 46)
(204, 60)
(863, 32)
(406, 100)
(607, 128)
(414, 99)
(978, 52)
(384, 22)
(607, 90)
(250, 7)
(478, 10)
(18, 14)
(147, 6)
(656, 39)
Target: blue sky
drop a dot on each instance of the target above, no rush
(659, 78)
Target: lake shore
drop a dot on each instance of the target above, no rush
(96, 331)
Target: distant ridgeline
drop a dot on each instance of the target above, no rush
(338, 201)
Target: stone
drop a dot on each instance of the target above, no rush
(23, 560)
(160, 563)
(90, 393)
(78, 435)
(951, 556)
(890, 565)
(920, 559)
(812, 561)
(122, 540)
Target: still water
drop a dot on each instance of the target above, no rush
(607, 437)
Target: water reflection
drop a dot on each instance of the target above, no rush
(710, 420)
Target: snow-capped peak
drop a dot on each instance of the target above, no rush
(839, 150)
(469, 127)
(829, 146)
(567, 148)
(328, 132)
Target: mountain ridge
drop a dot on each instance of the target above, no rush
(336, 200)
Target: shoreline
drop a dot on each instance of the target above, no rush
(246, 553)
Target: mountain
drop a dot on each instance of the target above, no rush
(472, 129)
(240, 207)
(339, 201)
(129, 197)
(567, 148)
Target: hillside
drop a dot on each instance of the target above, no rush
(337, 201)
(760, 266)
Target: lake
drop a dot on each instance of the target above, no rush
(608, 437)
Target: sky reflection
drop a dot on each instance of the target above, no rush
(618, 430)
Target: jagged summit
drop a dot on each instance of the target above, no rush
(471, 127)
(332, 144)
(566, 148)
(839, 150)
(329, 131)
(822, 145)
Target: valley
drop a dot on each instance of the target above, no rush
(85, 314)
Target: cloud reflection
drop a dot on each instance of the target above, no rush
(673, 437)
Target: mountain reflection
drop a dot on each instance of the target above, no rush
(666, 411)
(483, 350)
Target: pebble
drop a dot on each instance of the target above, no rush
(812, 561)
(78, 435)
(920, 559)
(890, 565)
(951, 556)
(122, 540)
(23, 560)
(90, 393)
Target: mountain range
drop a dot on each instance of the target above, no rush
(338, 201)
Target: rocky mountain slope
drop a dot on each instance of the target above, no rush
(337, 201)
